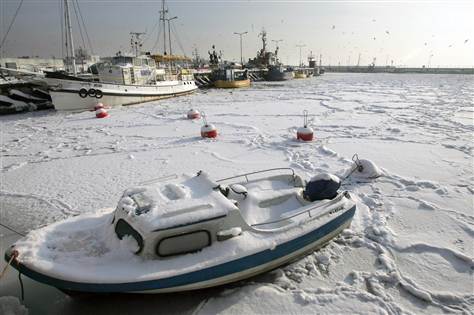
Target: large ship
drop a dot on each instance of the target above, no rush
(269, 60)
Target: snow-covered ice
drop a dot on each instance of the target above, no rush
(410, 248)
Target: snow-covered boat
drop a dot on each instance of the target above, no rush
(188, 232)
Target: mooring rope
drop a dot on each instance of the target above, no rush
(12, 258)
(12, 229)
(358, 166)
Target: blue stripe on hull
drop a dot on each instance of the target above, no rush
(207, 274)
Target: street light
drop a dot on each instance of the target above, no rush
(241, 34)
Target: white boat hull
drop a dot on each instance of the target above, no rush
(66, 97)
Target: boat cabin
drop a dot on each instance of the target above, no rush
(129, 70)
(172, 219)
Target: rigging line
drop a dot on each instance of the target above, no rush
(151, 33)
(79, 24)
(175, 33)
(11, 24)
(85, 28)
(157, 41)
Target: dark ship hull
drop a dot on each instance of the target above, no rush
(278, 75)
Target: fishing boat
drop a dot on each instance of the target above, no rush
(268, 60)
(230, 78)
(188, 232)
(300, 74)
(121, 80)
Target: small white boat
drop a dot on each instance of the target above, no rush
(122, 80)
(188, 233)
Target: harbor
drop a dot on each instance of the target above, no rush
(209, 158)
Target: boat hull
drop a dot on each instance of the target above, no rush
(232, 84)
(220, 274)
(66, 95)
(300, 76)
(276, 75)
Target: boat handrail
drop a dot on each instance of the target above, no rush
(305, 211)
(258, 172)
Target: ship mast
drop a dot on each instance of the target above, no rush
(163, 12)
(69, 39)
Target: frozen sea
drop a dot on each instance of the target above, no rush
(410, 248)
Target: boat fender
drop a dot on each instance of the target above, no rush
(83, 93)
(98, 94)
(91, 92)
(322, 186)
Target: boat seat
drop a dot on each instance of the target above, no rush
(267, 206)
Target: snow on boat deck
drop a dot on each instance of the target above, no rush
(410, 247)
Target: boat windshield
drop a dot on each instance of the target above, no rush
(122, 60)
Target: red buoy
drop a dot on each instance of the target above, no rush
(305, 133)
(101, 113)
(208, 131)
(194, 114)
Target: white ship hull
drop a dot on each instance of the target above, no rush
(66, 94)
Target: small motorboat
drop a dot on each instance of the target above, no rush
(230, 79)
(188, 232)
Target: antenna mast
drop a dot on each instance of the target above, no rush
(69, 39)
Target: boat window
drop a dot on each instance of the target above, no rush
(137, 62)
(123, 229)
(121, 60)
(183, 243)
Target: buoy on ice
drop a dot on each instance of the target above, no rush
(194, 114)
(364, 169)
(101, 113)
(98, 106)
(305, 133)
(208, 130)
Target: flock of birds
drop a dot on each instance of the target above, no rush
(388, 33)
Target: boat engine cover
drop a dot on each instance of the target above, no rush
(322, 186)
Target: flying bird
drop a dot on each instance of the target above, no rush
(334, 26)
(426, 44)
(387, 32)
(450, 46)
(375, 38)
(374, 20)
(466, 40)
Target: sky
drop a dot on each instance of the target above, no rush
(409, 33)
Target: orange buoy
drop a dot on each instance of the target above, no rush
(207, 130)
(101, 113)
(194, 114)
(305, 133)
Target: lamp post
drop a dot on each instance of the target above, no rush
(301, 60)
(241, 58)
